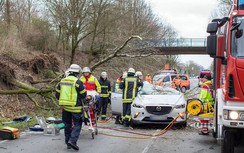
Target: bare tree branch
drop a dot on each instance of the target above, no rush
(114, 54)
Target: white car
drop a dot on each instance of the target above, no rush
(153, 104)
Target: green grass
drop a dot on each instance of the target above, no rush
(26, 125)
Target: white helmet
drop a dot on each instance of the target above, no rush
(124, 75)
(131, 70)
(104, 75)
(138, 73)
(74, 68)
(66, 73)
(86, 69)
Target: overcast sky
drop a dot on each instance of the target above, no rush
(189, 18)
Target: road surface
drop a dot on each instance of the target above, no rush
(175, 141)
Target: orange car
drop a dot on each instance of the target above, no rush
(167, 80)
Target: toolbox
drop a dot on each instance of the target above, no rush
(8, 133)
(50, 130)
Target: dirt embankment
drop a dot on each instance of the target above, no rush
(36, 67)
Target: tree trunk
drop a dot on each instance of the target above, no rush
(8, 14)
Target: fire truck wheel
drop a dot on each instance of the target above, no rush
(227, 145)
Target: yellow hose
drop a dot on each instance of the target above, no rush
(144, 137)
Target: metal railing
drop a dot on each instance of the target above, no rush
(178, 42)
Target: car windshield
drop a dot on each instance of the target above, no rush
(149, 89)
(158, 76)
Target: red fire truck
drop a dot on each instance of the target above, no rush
(226, 45)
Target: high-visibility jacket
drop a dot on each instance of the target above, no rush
(105, 88)
(91, 83)
(70, 92)
(130, 88)
(206, 92)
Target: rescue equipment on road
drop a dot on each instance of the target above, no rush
(9, 133)
(89, 110)
(203, 112)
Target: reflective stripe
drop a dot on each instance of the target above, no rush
(103, 116)
(134, 90)
(77, 85)
(73, 109)
(127, 100)
(104, 95)
(57, 90)
(126, 88)
(83, 91)
(128, 117)
(104, 86)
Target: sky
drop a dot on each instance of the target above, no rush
(190, 19)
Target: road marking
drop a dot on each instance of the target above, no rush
(146, 149)
(3, 141)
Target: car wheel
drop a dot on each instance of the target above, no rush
(184, 124)
(183, 89)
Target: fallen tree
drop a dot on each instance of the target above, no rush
(39, 63)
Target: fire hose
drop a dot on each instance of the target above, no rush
(142, 136)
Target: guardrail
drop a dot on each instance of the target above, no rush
(178, 42)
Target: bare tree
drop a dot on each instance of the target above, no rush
(7, 13)
(71, 17)
(222, 10)
(22, 12)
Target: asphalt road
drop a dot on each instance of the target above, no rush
(175, 140)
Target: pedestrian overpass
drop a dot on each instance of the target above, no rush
(174, 46)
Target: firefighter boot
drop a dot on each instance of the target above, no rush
(117, 120)
(126, 123)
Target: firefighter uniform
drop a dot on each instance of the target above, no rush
(206, 92)
(130, 89)
(104, 96)
(70, 93)
(91, 83)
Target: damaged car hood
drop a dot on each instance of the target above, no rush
(154, 100)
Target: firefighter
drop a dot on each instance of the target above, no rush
(176, 83)
(120, 79)
(206, 93)
(148, 78)
(105, 95)
(91, 83)
(70, 92)
(139, 75)
(130, 88)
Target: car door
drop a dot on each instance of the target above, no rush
(116, 100)
(166, 81)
